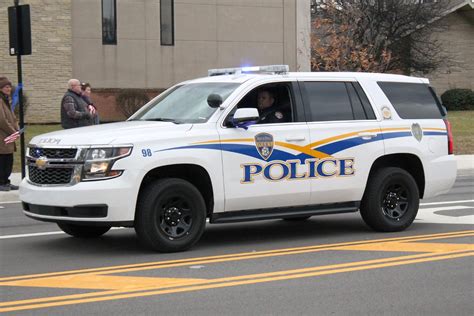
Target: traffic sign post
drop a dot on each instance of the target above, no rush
(20, 44)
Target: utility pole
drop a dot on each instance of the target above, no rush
(20, 95)
(20, 44)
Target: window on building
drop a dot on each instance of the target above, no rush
(167, 22)
(109, 22)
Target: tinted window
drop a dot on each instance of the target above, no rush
(328, 101)
(359, 112)
(411, 100)
(369, 111)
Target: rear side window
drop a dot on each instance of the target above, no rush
(337, 101)
(411, 100)
(328, 101)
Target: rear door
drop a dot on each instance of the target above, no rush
(345, 139)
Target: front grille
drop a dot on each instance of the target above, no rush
(53, 153)
(50, 175)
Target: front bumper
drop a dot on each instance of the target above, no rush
(106, 201)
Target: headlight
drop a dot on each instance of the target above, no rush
(99, 162)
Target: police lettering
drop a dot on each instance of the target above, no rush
(295, 170)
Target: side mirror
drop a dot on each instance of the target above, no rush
(245, 117)
(214, 100)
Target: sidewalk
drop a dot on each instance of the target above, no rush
(465, 162)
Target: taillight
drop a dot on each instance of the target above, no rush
(450, 137)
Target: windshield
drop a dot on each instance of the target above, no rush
(186, 103)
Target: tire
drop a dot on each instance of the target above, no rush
(171, 215)
(390, 201)
(296, 219)
(82, 231)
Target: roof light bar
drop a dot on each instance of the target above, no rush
(273, 69)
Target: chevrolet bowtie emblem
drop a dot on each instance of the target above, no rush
(41, 162)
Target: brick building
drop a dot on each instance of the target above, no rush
(148, 44)
(458, 43)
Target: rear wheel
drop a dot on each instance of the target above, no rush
(171, 215)
(82, 231)
(391, 200)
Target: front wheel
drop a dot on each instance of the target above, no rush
(83, 231)
(171, 215)
(390, 201)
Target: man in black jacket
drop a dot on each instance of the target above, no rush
(74, 112)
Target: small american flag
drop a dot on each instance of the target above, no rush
(11, 138)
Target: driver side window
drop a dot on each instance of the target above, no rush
(274, 102)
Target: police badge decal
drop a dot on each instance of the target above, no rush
(416, 131)
(264, 144)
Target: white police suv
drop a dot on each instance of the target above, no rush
(336, 143)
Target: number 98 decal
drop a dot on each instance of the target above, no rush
(146, 152)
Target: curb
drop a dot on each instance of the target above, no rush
(465, 162)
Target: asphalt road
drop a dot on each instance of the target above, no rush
(328, 265)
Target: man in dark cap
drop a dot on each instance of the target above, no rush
(8, 135)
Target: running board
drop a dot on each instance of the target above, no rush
(284, 212)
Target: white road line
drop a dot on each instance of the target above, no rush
(447, 202)
(428, 215)
(9, 202)
(31, 235)
(43, 234)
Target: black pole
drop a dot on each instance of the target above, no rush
(20, 95)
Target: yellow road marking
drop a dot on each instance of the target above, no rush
(235, 281)
(237, 256)
(118, 287)
(410, 247)
(102, 282)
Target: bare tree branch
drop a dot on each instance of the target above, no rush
(377, 35)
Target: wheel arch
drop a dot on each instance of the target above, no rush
(408, 162)
(194, 174)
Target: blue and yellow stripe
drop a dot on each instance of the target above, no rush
(320, 149)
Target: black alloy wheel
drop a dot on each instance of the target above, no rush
(170, 215)
(390, 201)
(175, 219)
(395, 201)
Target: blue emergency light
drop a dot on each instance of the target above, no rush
(269, 69)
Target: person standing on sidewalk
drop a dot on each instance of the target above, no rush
(8, 127)
(74, 112)
(86, 95)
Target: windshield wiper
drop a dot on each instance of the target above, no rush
(161, 119)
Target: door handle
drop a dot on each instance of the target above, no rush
(295, 138)
(367, 135)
